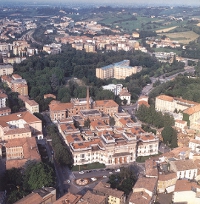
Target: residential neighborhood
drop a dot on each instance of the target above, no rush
(99, 105)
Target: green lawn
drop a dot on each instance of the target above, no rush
(95, 165)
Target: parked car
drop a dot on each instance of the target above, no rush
(104, 176)
(68, 181)
(117, 170)
(93, 179)
(81, 172)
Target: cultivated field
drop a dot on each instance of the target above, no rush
(182, 37)
(165, 30)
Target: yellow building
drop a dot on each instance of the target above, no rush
(119, 70)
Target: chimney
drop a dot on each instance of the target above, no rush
(88, 97)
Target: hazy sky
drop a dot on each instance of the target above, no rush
(149, 2)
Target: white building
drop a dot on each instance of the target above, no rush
(125, 95)
(184, 169)
(115, 88)
(3, 98)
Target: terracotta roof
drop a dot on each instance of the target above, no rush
(185, 185)
(96, 123)
(166, 177)
(73, 138)
(100, 187)
(53, 106)
(106, 103)
(87, 144)
(15, 163)
(147, 137)
(181, 121)
(33, 198)
(182, 165)
(69, 197)
(145, 103)
(145, 183)
(151, 168)
(165, 98)
(26, 116)
(192, 110)
(16, 76)
(140, 198)
(90, 197)
(3, 95)
(49, 96)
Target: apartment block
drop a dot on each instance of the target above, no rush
(6, 69)
(119, 70)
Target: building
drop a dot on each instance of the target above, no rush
(20, 86)
(21, 150)
(184, 169)
(91, 197)
(186, 192)
(147, 144)
(166, 182)
(190, 111)
(119, 70)
(144, 191)
(68, 198)
(113, 196)
(6, 69)
(124, 95)
(30, 105)
(41, 196)
(20, 125)
(115, 88)
(3, 98)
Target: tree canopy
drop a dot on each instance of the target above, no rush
(169, 136)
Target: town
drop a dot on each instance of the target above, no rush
(93, 112)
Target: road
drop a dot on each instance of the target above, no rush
(146, 90)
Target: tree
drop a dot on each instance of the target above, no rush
(37, 175)
(87, 123)
(169, 136)
(111, 121)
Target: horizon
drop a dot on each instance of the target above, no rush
(123, 3)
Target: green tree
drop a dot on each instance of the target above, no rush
(169, 136)
(87, 123)
(37, 175)
(111, 121)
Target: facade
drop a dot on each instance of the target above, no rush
(6, 69)
(119, 70)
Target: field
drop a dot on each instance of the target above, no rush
(182, 37)
(165, 30)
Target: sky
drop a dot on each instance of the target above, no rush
(123, 2)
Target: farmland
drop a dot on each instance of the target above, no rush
(182, 37)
